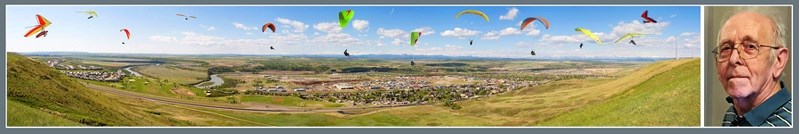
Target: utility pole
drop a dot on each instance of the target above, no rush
(676, 47)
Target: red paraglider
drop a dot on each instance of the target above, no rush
(268, 25)
(647, 19)
(531, 19)
(127, 34)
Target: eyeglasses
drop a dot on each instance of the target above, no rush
(747, 50)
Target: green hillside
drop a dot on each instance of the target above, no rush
(671, 98)
(34, 85)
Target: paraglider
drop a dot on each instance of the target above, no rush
(533, 53)
(127, 34)
(346, 53)
(91, 13)
(647, 19)
(629, 35)
(268, 25)
(39, 28)
(587, 32)
(186, 17)
(415, 38)
(475, 12)
(531, 19)
(344, 17)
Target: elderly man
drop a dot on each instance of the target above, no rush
(751, 55)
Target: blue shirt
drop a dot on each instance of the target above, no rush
(775, 111)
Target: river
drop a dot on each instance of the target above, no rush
(214, 79)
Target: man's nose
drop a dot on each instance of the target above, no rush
(735, 59)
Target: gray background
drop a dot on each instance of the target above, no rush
(484, 130)
(715, 94)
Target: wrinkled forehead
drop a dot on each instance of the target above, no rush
(747, 26)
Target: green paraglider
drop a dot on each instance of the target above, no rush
(344, 17)
(415, 37)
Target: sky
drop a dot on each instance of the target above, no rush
(373, 30)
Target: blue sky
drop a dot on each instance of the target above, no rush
(373, 30)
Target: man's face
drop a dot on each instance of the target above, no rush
(743, 77)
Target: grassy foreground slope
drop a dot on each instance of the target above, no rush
(35, 117)
(671, 98)
(40, 87)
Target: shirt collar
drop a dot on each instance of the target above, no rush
(760, 113)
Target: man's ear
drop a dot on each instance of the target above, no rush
(780, 62)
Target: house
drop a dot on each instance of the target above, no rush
(343, 86)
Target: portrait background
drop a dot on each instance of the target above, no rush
(715, 105)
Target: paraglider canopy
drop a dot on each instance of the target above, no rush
(344, 17)
(475, 12)
(531, 19)
(628, 35)
(42, 23)
(127, 33)
(91, 13)
(589, 33)
(647, 19)
(268, 25)
(415, 37)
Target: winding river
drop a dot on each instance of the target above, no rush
(214, 79)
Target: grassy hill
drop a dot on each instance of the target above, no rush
(671, 98)
(34, 86)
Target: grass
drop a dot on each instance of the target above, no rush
(173, 74)
(534, 104)
(287, 101)
(22, 115)
(671, 98)
(34, 84)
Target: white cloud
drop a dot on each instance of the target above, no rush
(397, 41)
(510, 15)
(163, 38)
(687, 33)
(209, 28)
(360, 24)
(459, 32)
(328, 27)
(243, 27)
(638, 27)
(390, 33)
(493, 35)
(673, 15)
(298, 26)
(192, 38)
(425, 31)
(534, 32)
(342, 39)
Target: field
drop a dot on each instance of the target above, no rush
(180, 76)
(561, 93)
(672, 94)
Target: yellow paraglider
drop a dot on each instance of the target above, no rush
(629, 35)
(475, 12)
(589, 33)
